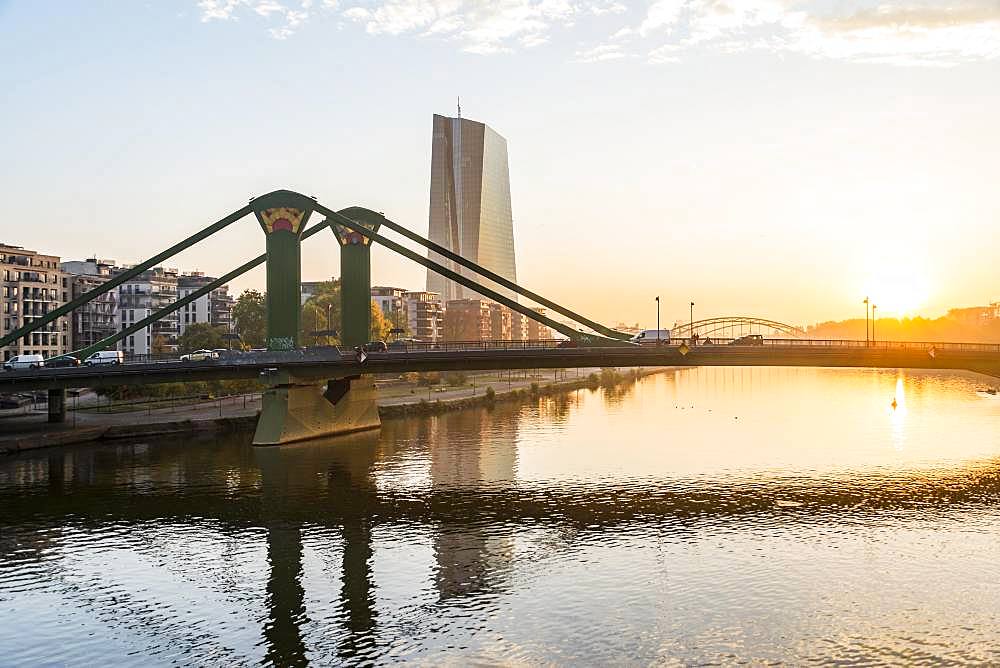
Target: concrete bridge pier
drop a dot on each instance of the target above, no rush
(297, 409)
(57, 405)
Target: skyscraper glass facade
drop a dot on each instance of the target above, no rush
(470, 210)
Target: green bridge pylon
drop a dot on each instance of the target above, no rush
(293, 408)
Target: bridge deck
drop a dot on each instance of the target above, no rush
(973, 357)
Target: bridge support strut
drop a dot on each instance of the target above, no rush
(296, 409)
(57, 405)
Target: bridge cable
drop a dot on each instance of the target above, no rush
(342, 217)
(124, 276)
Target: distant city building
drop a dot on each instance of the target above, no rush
(485, 320)
(536, 330)
(424, 316)
(470, 209)
(467, 320)
(390, 301)
(310, 289)
(98, 318)
(31, 285)
(501, 322)
(140, 297)
(975, 315)
(518, 326)
(215, 308)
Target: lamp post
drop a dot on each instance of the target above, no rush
(873, 323)
(657, 320)
(691, 325)
(866, 321)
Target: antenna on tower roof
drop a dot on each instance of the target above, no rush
(459, 106)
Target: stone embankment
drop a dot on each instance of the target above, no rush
(44, 436)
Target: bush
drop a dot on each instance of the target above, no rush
(456, 378)
(491, 395)
(609, 377)
(534, 389)
(428, 378)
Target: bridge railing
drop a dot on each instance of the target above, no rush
(887, 345)
(466, 346)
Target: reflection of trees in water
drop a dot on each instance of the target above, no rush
(617, 386)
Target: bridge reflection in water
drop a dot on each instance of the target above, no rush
(451, 488)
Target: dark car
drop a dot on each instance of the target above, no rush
(568, 343)
(61, 361)
(9, 401)
(748, 340)
(375, 347)
(399, 346)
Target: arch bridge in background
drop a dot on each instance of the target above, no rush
(735, 326)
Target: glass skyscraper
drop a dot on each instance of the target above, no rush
(470, 210)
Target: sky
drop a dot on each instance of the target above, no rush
(772, 158)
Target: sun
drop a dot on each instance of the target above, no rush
(898, 292)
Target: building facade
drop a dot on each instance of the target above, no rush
(214, 308)
(536, 331)
(424, 316)
(98, 318)
(140, 297)
(31, 285)
(390, 301)
(470, 207)
(467, 320)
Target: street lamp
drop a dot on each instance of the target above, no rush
(866, 321)
(873, 323)
(691, 326)
(657, 320)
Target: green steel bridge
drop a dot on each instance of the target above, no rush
(321, 392)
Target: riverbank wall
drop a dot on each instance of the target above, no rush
(14, 443)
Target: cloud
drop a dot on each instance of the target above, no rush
(661, 14)
(898, 32)
(479, 26)
(902, 33)
(229, 10)
(600, 53)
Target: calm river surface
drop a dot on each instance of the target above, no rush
(700, 516)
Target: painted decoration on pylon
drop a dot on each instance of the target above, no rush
(282, 218)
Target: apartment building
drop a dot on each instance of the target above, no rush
(32, 285)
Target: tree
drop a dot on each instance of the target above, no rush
(380, 326)
(250, 318)
(160, 344)
(320, 312)
(201, 335)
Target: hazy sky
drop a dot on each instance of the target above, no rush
(760, 157)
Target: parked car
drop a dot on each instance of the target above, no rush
(568, 343)
(62, 361)
(200, 356)
(748, 340)
(8, 401)
(652, 337)
(399, 346)
(375, 347)
(21, 362)
(105, 357)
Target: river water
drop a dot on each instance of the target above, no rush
(709, 515)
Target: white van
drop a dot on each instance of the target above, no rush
(648, 337)
(105, 357)
(19, 362)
